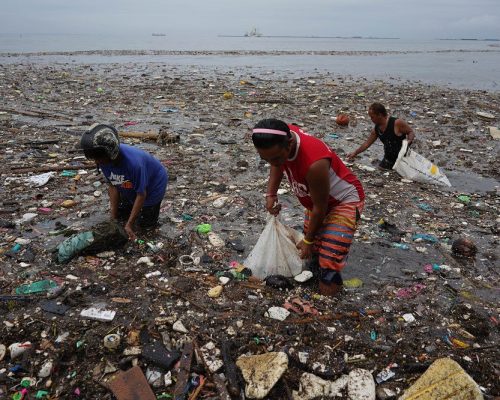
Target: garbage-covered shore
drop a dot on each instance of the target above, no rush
(177, 303)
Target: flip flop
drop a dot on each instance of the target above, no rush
(300, 306)
(291, 307)
(307, 307)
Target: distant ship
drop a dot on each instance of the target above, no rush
(253, 33)
(158, 34)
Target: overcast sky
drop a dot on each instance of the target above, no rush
(382, 18)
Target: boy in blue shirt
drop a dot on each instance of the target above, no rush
(136, 180)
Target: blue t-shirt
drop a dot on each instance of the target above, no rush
(137, 172)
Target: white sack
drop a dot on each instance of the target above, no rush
(413, 166)
(275, 252)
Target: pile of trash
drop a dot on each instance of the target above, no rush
(177, 313)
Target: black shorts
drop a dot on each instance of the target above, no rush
(386, 163)
(148, 218)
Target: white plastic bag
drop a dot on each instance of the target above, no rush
(275, 252)
(413, 166)
(40, 180)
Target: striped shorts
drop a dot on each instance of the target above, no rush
(333, 241)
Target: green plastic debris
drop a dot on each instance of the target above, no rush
(17, 396)
(25, 383)
(259, 340)
(68, 173)
(236, 275)
(353, 283)
(186, 217)
(204, 228)
(100, 90)
(239, 276)
(80, 343)
(41, 394)
(74, 245)
(464, 198)
(36, 287)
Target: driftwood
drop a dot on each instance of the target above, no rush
(184, 370)
(139, 135)
(330, 317)
(37, 114)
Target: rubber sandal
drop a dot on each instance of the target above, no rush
(306, 306)
(290, 307)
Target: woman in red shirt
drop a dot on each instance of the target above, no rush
(332, 195)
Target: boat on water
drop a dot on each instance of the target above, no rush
(158, 34)
(253, 33)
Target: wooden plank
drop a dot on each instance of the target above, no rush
(131, 385)
(184, 369)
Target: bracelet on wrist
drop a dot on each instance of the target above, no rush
(307, 241)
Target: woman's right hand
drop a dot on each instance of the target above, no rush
(272, 205)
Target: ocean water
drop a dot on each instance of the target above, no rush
(471, 64)
(72, 42)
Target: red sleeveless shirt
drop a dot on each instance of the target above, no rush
(344, 186)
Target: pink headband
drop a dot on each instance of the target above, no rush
(270, 131)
